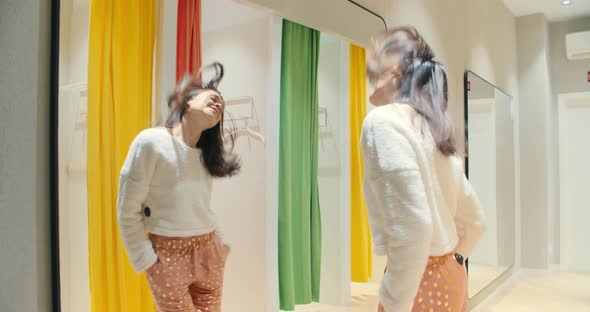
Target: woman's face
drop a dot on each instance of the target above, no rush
(206, 107)
(387, 86)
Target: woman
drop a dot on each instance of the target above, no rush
(165, 190)
(424, 214)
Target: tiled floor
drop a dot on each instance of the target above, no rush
(541, 292)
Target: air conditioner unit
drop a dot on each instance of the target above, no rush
(578, 45)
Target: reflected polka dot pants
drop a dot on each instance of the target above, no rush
(188, 276)
(443, 287)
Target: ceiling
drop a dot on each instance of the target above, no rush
(553, 9)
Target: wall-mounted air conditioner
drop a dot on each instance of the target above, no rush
(578, 45)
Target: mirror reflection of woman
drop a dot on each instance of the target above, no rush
(165, 191)
(424, 214)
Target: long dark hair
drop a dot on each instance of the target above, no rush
(217, 159)
(424, 83)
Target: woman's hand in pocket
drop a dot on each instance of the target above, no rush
(153, 267)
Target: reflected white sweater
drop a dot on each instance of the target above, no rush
(164, 189)
(420, 204)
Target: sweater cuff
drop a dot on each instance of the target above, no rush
(221, 237)
(146, 262)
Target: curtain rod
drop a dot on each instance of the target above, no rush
(370, 11)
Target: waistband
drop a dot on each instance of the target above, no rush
(203, 237)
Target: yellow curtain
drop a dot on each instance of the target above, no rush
(120, 60)
(361, 259)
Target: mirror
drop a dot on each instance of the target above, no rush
(241, 41)
(248, 41)
(490, 167)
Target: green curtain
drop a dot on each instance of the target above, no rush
(299, 207)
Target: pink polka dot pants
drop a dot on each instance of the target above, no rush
(443, 287)
(188, 276)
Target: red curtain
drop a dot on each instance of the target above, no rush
(188, 37)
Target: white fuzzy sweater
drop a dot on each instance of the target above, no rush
(420, 203)
(164, 189)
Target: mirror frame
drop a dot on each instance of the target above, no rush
(485, 292)
(54, 157)
(466, 109)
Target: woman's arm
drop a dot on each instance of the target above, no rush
(134, 184)
(470, 219)
(399, 198)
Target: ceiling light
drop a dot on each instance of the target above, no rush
(566, 2)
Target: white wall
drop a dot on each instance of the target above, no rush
(24, 156)
(164, 59)
(333, 171)
(73, 209)
(535, 107)
(505, 179)
(574, 146)
(240, 202)
(74, 26)
(566, 77)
